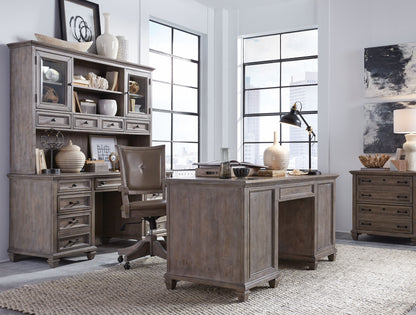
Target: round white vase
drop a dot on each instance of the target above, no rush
(409, 148)
(107, 44)
(107, 107)
(70, 159)
(276, 157)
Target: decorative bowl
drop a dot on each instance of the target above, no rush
(107, 107)
(376, 161)
(82, 46)
(241, 171)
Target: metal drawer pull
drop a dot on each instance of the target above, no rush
(137, 126)
(402, 211)
(366, 209)
(71, 242)
(402, 226)
(364, 223)
(112, 124)
(86, 122)
(401, 197)
(402, 182)
(53, 120)
(365, 195)
(103, 183)
(73, 221)
(71, 203)
(366, 180)
(74, 185)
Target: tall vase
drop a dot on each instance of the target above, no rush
(276, 157)
(107, 44)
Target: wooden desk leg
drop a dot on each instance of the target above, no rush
(355, 236)
(313, 265)
(274, 282)
(332, 257)
(53, 262)
(91, 255)
(243, 296)
(171, 284)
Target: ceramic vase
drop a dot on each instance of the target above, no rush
(70, 159)
(123, 48)
(107, 107)
(107, 44)
(276, 157)
(409, 148)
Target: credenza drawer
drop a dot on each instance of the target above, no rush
(74, 242)
(139, 126)
(46, 119)
(368, 180)
(107, 183)
(85, 122)
(74, 185)
(396, 226)
(376, 195)
(383, 210)
(74, 202)
(112, 124)
(71, 224)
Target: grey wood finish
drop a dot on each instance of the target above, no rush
(384, 203)
(231, 232)
(55, 216)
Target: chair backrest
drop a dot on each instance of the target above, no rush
(142, 168)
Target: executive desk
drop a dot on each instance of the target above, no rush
(232, 232)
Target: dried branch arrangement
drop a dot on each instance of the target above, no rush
(374, 161)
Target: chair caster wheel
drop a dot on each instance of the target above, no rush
(127, 266)
(120, 259)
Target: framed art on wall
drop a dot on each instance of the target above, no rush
(80, 21)
(101, 147)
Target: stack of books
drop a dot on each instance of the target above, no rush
(212, 169)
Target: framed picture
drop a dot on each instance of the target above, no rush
(80, 21)
(101, 147)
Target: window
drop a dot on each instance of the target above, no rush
(279, 70)
(175, 94)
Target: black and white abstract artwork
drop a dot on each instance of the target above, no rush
(378, 128)
(390, 70)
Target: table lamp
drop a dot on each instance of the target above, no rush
(293, 119)
(404, 121)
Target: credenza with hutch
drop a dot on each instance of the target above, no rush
(59, 215)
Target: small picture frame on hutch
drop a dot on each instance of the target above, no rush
(80, 21)
(101, 147)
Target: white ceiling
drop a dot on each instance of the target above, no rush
(237, 4)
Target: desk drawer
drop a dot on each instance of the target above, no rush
(74, 242)
(296, 192)
(81, 122)
(107, 183)
(74, 185)
(112, 124)
(399, 181)
(390, 226)
(139, 126)
(74, 202)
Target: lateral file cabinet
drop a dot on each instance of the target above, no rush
(383, 204)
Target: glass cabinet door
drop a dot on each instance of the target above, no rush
(138, 94)
(54, 81)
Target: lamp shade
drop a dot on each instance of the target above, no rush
(404, 120)
(291, 118)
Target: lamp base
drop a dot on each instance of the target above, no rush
(314, 172)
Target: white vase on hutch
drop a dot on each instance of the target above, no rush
(107, 44)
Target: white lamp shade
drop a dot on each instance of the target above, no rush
(404, 120)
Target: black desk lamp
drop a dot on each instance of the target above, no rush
(293, 119)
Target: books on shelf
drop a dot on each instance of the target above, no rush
(212, 169)
(80, 81)
(40, 160)
(112, 78)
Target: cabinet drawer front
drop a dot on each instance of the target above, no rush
(69, 225)
(402, 181)
(372, 195)
(74, 202)
(377, 210)
(74, 242)
(111, 124)
(85, 122)
(398, 226)
(74, 185)
(142, 127)
(53, 120)
(294, 192)
(106, 183)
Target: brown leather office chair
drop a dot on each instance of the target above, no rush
(142, 172)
